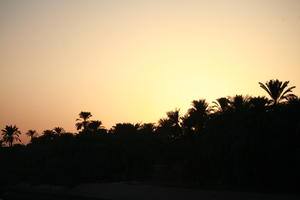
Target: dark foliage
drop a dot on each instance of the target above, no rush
(244, 142)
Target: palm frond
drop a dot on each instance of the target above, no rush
(78, 125)
(288, 90)
(265, 88)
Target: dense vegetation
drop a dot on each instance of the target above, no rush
(239, 142)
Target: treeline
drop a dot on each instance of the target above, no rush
(239, 142)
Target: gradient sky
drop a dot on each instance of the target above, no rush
(131, 61)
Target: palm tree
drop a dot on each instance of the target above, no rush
(222, 104)
(47, 135)
(172, 120)
(239, 102)
(197, 115)
(95, 126)
(277, 90)
(48, 132)
(147, 128)
(83, 118)
(58, 130)
(124, 129)
(173, 117)
(31, 133)
(258, 103)
(170, 125)
(11, 134)
(294, 99)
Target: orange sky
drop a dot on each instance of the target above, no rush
(131, 61)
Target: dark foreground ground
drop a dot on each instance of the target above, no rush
(131, 191)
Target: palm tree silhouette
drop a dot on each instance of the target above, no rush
(147, 128)
(258, 103)
(83, 118)
(277, 90)
(222, 104)
(171, 124)
(172, 119)
(95, 126)
(58, 130)
(48, 132)
(11, 134)
(293, 99)
(239, 102)
(196, 116)
(124, 129)
(31, 133)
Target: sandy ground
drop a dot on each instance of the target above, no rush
(132, 191)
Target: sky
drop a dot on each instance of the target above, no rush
(132, 61)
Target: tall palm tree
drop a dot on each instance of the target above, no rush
(277, 90)
(31, 133)
(58, 130)
(11, 134)
(83, 118)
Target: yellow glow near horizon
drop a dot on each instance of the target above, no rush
(131, 61)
